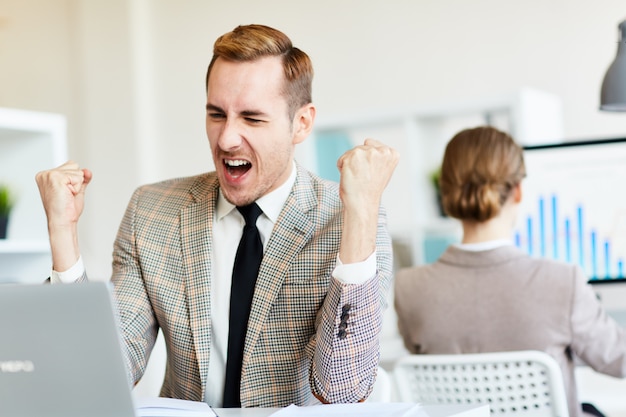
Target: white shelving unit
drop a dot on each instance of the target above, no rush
(29, 142)
(420, 134)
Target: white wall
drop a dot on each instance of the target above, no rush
(129, 74)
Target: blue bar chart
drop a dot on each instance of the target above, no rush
(573, 206)
(548, 234)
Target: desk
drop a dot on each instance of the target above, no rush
(603, 391)
(618, 315)
(429, 411)
(612, 296)
(244, 412)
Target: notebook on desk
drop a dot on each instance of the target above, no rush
(60, 352)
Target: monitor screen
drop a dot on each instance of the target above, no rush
(574, 206)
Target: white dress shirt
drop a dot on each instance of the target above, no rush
(481, 246)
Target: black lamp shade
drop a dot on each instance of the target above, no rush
(613, 94)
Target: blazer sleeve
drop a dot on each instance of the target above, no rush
(596, 338)
(346, 354)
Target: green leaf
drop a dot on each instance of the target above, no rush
(6, 200)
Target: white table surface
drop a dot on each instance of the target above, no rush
(429, 411)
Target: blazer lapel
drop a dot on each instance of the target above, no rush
(292, 231)
(196, 241)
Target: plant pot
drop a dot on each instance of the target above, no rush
(4, 223)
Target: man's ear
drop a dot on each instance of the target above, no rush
(303, 122)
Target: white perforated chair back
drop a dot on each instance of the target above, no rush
(521, 383)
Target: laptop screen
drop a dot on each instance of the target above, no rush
(60, 353)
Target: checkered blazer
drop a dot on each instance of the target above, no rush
(296, 347)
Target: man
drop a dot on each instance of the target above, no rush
(312, 327)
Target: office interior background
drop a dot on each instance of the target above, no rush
(128, 75)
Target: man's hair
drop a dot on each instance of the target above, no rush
(480, 168)
(252, 42)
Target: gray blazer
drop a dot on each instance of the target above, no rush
(502, 300)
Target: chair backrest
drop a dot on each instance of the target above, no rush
(381, 392)
(521, 383)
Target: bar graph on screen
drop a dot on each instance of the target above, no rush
(574, 206)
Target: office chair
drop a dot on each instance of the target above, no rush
(521, 383)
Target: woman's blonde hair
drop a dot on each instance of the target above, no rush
(480, 168)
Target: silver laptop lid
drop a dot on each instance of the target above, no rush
(60, 352)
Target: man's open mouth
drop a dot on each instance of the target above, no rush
(237, 167)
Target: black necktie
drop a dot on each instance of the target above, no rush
(245, 271)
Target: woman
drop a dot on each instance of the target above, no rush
(484, 294)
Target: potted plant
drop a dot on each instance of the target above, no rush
(6, 205)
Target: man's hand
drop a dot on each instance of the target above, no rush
(365, 172)
(62, 191)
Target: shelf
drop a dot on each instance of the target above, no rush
(29, 142)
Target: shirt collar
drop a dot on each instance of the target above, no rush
(481, 246)
(271, 203)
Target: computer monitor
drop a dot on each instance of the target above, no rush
(574, 206)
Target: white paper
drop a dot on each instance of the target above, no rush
(357, 410)
(171, 407)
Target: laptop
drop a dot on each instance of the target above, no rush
(60, 352)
